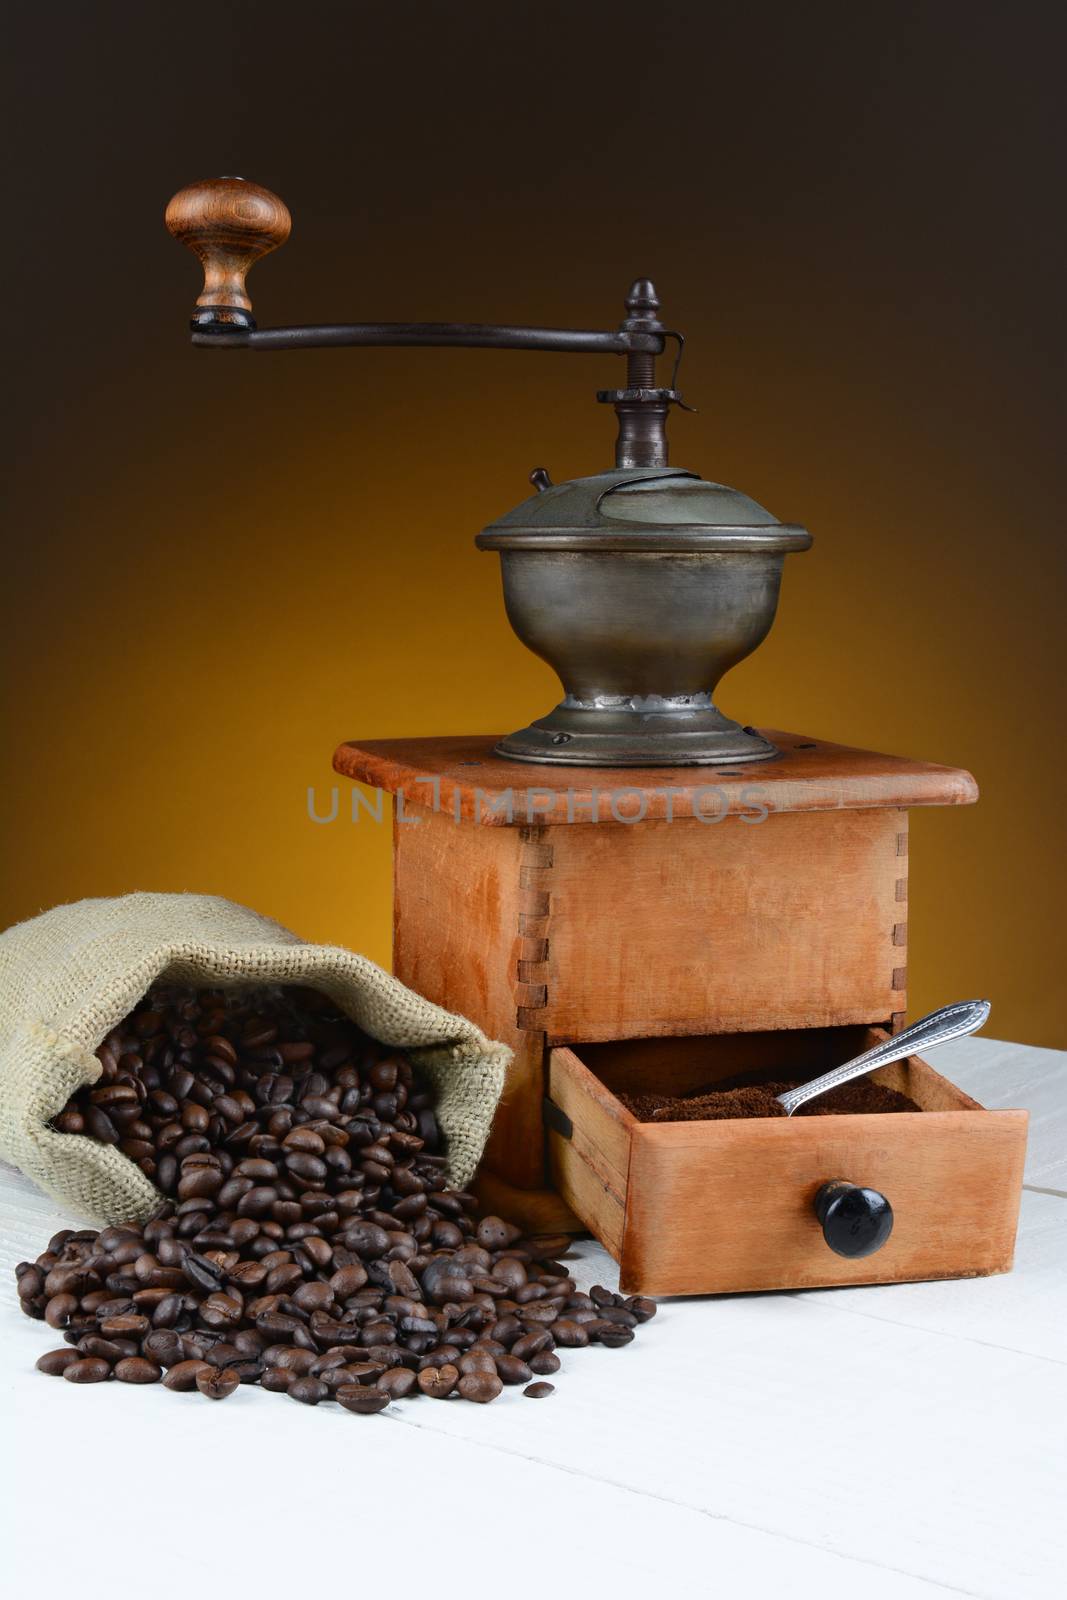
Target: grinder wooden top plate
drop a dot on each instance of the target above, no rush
(461, 775)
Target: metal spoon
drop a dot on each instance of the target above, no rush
(951, 1022)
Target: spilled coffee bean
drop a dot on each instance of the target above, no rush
(309, 1242)
(217, 1383)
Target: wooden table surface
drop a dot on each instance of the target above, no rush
(867, 1444)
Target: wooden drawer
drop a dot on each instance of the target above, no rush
(720, 1207)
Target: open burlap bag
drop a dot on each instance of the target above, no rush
(68, 976)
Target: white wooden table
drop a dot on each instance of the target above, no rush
(874, 1444)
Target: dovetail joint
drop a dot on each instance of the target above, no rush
(531, 967)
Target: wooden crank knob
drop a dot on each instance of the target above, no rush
(855, 1221)
(228, 223)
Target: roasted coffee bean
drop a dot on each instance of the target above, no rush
(335, 1377)
(541, 1314)
(110, 1350)
(354, 1397)
(221, 1311)
(439, 1382)
(494, 1233)
(166, 1311)
(313, 1296)
(30, 1281)
(531, 1343)
(277, 1379)
(481, 1387)
(98, 1125)
(618, 1315)
(202, 1273)
(309, 1237)
(89, 1369)
(571, 1334)
(222, 1354)
(126, 1325)
(397, 1382)
(217, 1383)
(69, 1280)
(309, 1391)
(366, 1371)
(135, 1369)
(56, 1362)
(183, 1375)
(511, 1370)
(59, 1310)
(539, 1391)
(294, 1359)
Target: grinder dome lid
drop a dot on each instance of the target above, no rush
(642, 508)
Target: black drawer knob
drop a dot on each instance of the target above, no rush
(855, 1221)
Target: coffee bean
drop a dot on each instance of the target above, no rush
(494, 1233)
(126, 1325)
(217, 1383)
(309, 1391)
(183, 1375)
(134, 1369)
(539, 1391)
(202, 1273)
(56, 1362)
(439, 1382)
(397, 1382)
(366, 1371)
(30, 1282)
(571, 1334)
(531, 1343)
(309, 1235)
(477, 1360)
(294, 1359)
(313, 1296)
(221, 1310)
(541, 1314)
(618, 1315)
(163, 1346)
(481, 1387)
(99, 1126)
(109, 1350)
(89, 1369)
(277, 1379)
(511, 1370)
(59, 1310)
(354, 1397)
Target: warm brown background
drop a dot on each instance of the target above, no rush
(218, 567)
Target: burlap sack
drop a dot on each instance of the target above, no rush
(68, 976)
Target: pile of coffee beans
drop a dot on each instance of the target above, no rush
(310, 1242)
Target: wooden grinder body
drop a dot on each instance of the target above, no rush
(743, 916)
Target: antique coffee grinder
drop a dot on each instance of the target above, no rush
(641, 586)
(632, 894)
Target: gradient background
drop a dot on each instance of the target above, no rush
(217, 567)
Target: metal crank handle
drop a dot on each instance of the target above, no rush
(229, 224)
(951, 1022)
